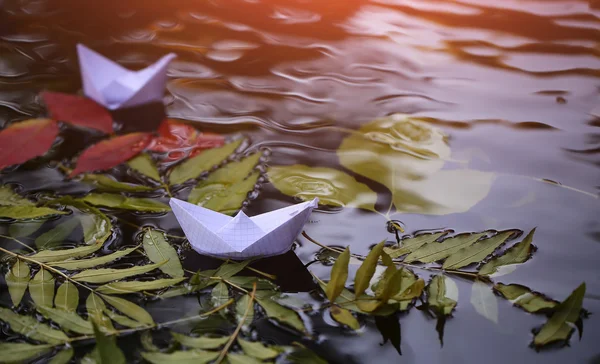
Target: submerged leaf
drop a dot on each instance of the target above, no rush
(130, 309)
(240, 310)
(111, 274)
(229, 200)
(92, 262)
(434, 251)
(280, 313)
(228, 269)
(106, 347)
(257, 349)
(159, 250)
(67, 297)
(333, 187)
(123, 320)
(201, 342)
(17, 280)
(56, 235)
(41, 288)
(32, 328)
(519, 253)
(484, 301)
(78, 110)
(108, 183)
(523, 297)
(144, 164)
(25, 140)
(23, 229)
(111, 152)
(67, 320)
(126, 203)
(566, 314)
(367, 270)
(410, 245)
(181, 357)
(136, 286)
(476, 252)
(19, 352)
(205, 161)
(344, 317)
(339, 274)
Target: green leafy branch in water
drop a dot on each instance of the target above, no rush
(398, 287)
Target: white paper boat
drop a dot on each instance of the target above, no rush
(241, 237)
(116, 87)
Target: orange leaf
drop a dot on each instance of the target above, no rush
(111, 152)
(78, 110)
(179, 140)
(28, 139)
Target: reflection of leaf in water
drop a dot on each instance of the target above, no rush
(389, 327)
(406, 156)
(332, 187)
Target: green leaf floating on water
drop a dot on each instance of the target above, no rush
(137, 286)
(196, 356)
(69, 321)
(441, 298)
(56, 235)
(220, 294)
(200, 342)
(409, 245)
(63, 254)
(476, 252)
(106, 349)
(344, 317)
(41, 288)
(280, 313)
(228, 200)
(67, 297)
(144, 164)
(17, 280)
(32, 328)
(367, 270)
(63, 357)
(16, 207)
(111, 274)
(203, 162)
(228, 269)
(566, 315)
(95, 308)
(524, 298)
(92, 262)
(230, 177)
(159, 250)
(20, 352)
(130, 309)
(407, 155)
(333, 187)
(240, 310)
(519, 253)
(107, 183)
(236, 358)
(339, 274)
(115, 201)
(434, 251)
(257, 349)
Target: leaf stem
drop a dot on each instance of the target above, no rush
(18, 241)
(239, 326)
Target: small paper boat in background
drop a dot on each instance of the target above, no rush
(240, 237)
(116, 87)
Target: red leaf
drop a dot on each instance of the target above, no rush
(180, 140)
(28, 139)
(111, 152)
(78, 111)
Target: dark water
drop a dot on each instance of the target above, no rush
(516, 85)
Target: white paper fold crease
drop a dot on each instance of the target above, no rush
(241, 237)
(116, 87)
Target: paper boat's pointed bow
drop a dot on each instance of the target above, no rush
(241, 237)
(116, 87)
